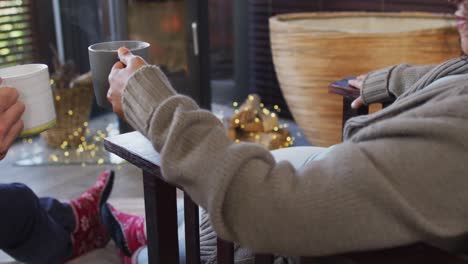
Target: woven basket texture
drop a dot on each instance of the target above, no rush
(311, 50)
(73, 107)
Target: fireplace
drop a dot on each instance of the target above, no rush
(176, 29)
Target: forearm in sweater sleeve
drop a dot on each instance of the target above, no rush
(387, 84)
(359, 196)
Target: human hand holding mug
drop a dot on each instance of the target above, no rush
(102, 56)
(11, 125)
(32, 85)
(119, 76)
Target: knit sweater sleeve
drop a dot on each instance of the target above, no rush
(358, 196)
(388, 83)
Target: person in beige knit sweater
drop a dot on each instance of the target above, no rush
(399, 177)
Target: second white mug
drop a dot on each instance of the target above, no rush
(33, 84)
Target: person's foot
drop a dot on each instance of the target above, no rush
(89, 233)
(127, 231)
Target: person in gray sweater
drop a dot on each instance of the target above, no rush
(399, 177)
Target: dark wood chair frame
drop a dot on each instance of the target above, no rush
(342, 88)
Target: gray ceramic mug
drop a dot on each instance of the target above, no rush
(102, 56)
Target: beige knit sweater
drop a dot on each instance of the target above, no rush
(401, 175)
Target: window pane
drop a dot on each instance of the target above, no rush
(16, 43)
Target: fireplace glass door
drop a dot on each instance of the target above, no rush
(175, 29)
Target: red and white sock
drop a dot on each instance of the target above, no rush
(127, 231)
(90, 233)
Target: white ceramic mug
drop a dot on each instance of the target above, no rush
(33, 84)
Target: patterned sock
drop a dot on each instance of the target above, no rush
(127, 231)
(90, 233)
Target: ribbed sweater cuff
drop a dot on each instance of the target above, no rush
(144, 92)
(375, 86)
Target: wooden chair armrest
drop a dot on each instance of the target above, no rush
(341, 87)
(349, 93)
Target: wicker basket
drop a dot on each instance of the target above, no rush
(73, 107)
(311, 50)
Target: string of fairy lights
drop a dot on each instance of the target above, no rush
(90, 150)
(278, 132)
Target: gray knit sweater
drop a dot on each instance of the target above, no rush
(400, 176)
